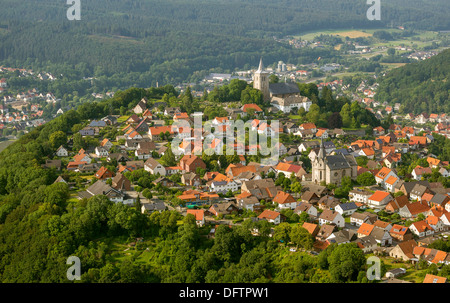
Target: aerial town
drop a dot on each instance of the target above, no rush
(342, 186)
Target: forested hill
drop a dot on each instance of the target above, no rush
(419, 87)
(145, 41)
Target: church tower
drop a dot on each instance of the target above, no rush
(319, 165)
(261, 81)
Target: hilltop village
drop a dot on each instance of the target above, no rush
(384, 188)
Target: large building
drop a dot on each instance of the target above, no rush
(331, 169)
(283, 96)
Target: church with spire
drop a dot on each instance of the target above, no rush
(332, 168)
(285, 96)
(261, 81)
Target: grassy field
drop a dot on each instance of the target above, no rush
(5, 144)
(352, 34)
(342, 32)
(122, 119)
(422, 38)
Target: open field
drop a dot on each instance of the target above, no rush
(5, 144)
(421, 37)
(352, 34)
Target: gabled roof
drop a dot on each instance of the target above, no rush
(416, 208)
(283, 197)
(434, 279)
(366, 229)
(198, 213)
(422, 226)
(283, 88)
(311, 228)
(328, 215)
(348, 206)
(407, 247)
(391, 180)
(399, 230)
(269, 214)
(382, 173)
(251, 106)
(379, 196)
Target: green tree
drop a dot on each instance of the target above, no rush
(282, 231)
(301, 237)
(57, 139)
(366, 179)
(345, 262)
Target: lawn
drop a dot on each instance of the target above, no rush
(122, 119)
(412, 274)
(295, 117)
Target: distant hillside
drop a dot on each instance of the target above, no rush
(142, 42)
(419, 87)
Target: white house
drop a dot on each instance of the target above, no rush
(62, 152)
(271, 216)
(329, 216)
(101, 152)
(285, 200)
(306, 207)
(421, 229)
(154, 167)
(391, 182)
(383, 175)
(360, 196)
(346, 209)
(199, 216)
(436, 223)
(358, 219)
(445, 218)
(223, 186)
(444, 172)
(379, 199)
(143, 154)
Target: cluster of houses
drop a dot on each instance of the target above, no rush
(422, 207)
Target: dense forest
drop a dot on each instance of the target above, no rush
(419, 87)
(139, 43)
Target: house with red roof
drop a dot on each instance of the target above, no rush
(104, 173)
(382, 176)
(429, 278)
(400, 233)
(391, 182)
(180, 116)
(253, 107)
(271, 216)
(379, 199)
(436, 223)
(421, 229)
(285, 200)
(155, 132)
(419, 171)
(190, 163)
(199, 215)
(412, 210)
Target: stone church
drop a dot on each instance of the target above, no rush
(333, 168)
(284, 96)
